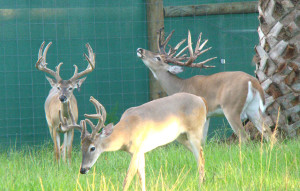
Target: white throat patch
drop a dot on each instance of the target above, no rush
(175, 69)
(148, 65)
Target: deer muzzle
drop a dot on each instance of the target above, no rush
(84, 170)
(63, 98)
(140, 52)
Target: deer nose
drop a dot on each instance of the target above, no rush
(84, 170)
(139, 52)
(62, 98)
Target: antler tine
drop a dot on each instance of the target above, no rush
(179, 44)
(162, 44)
(168, 39)
(193, 54)
(63, 126)
(41, 49)
(91, 64)
(62, 119)
(46, 50)
(203, 51)
(75, 70)
(184, 49)
(191, 58)
(57, 68)
(159, 39)
(198, 42)
(190, 44)
(71, 114)
(41, 64)
(91, 57)
(91, 124)
(202, 45)
(100, 115)
(172, 51)
(95, 128)
(201, 64)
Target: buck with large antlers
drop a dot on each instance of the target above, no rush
(141, 129)
(60, 96)
(236, 95)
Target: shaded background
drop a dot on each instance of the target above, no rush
(114, 29)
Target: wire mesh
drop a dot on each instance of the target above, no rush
(114, 29)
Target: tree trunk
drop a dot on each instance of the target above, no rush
(277, 62)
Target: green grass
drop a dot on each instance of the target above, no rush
(252, 166)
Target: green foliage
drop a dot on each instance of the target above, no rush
(252, 166)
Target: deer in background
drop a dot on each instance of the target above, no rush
(141, 129)
(60, 96)
(236, 95)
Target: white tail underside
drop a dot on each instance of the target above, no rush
(253, 102)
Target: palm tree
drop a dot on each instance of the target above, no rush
(277, 62)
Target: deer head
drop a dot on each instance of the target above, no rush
(91, 143)
(159, 61)
(64, 88)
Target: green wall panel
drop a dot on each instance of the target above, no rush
(115, 29)
(232, 37)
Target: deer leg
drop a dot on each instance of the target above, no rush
(257, 120)
(205, 130)
(131, 171)
(56, 141)
(51, 131)
(69, 146)
(184, 140)
(236, 124)
(141, 171)
(64, 148)
(198, 153)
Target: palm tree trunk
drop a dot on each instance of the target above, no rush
(277, 62)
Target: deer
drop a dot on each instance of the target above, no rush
(60, 96)
(235, 95)
(141, 129)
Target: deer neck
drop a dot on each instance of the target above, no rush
(64, 108)
(169, 82)
(73, 106)
(113, 142)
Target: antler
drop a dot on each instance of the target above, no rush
(90, 67)
(41, 64)
(177, 59)
(63, 126)
(162, 45)
(100, 115)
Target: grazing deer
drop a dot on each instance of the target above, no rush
(60, 95)
(141, 129)
(236, 95)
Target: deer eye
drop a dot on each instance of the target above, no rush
(158, 58)
(92, 149)
(58, 87)
(70, 88)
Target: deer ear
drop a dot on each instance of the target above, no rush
(175, 69)
(107, 130)
(79, 82)
(51, 81)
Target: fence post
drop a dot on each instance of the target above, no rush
(155, 20)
